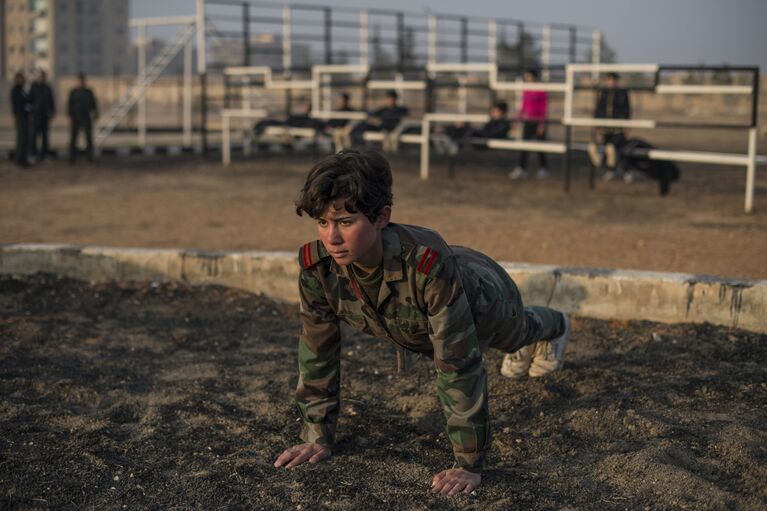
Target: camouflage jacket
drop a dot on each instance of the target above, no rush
(447, 302)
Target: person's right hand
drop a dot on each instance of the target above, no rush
(294, 456)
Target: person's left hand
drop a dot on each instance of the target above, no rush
(541, 129)
(454, 481)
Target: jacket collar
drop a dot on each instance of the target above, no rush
(392, 254)
(392, 263)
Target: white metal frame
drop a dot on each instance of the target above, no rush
(141, 24)
(226, 115)
(494, 84)
(748, 160)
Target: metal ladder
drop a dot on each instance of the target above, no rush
(119, 110)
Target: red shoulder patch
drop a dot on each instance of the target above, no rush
(311, 254)
(426, 263)
(308, 255)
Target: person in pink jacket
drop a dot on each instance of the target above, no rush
(532, 114)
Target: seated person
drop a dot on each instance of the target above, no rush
(299, 119)
(497, 127)
(452, 138)
(342, 105)
(339, 129)
(384, 119)
(303, 118)
(612, 103)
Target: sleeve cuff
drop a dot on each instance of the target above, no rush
(470, 461)
(322, 434)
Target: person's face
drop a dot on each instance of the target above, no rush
(611, 82)
(391, 102)
(341, 103)
(528, 77)
(40, 77)
(496, 113)
(352, 237)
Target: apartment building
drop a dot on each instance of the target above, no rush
(64, 37)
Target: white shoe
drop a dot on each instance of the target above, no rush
(517, 364)
(542, 173)
(549, 356)
(518, 173)
(629, 177)
(452, 148)
(609, 175)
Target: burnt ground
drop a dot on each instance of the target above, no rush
(164, 396)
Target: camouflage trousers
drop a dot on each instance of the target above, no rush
(539, 324)
(504, 324)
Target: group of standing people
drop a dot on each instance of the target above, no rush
(34, 108)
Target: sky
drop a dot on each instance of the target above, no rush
(652, 31)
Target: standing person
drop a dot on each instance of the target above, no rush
(22, 107)
(43, 110)
(612, 103)
(405, 283)
(83, 111)
(533, 114)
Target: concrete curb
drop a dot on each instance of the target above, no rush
(603, 294)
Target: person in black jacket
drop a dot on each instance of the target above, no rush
(451, 138)
(612, 103)
(43, 110)
(384, 119)
(498, 126)
(83, 110)
(22, 107)
(342, 105)
(339, 129)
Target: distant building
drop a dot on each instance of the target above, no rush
(64, 37)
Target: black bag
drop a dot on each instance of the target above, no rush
(634, 155)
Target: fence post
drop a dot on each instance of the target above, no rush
(245, 34)
(187, 117)
(328, 37)
(546, 52)
(141, 128)
(202, 70)
(573, 44)
(464, 39)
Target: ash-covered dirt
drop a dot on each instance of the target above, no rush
(166, 396)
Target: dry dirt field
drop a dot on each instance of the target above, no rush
(162, 396)
(192, 203)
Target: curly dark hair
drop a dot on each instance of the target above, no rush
(362, 178)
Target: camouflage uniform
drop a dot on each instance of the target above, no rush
(451, 303)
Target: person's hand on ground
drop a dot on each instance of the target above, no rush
(454, 481)
(294, 456)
